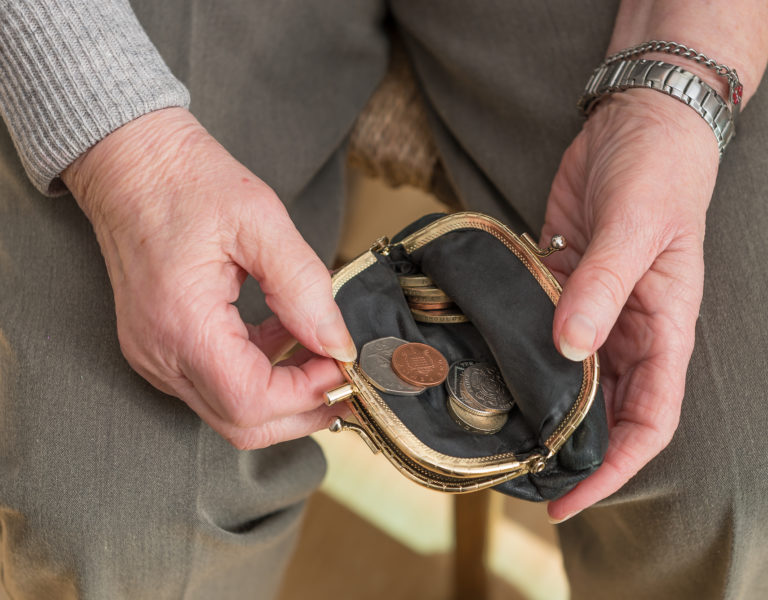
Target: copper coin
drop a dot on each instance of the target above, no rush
(419, 364)
(432, 305)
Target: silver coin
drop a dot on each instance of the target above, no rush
(474, 423)
(483, 383)
(376, 364)
(454, 388)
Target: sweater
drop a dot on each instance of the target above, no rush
(71, 72)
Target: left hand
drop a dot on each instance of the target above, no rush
(630, 196)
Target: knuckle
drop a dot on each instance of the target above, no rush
(239, 442)
(267, 435)
(303, 277)
(245, 398)
(243, 413)
(607, 285)
(256, 438)
(625, 463)
(665, 437)
(267, 196)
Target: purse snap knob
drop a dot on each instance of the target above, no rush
(558, 242)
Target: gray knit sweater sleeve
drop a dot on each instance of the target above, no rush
(71, 72)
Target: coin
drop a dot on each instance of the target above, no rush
(484, 383)
(474, 423)
(376, 364)
(438, 316)
(432, 305)
(426, 294)
(454, 388)
(419, 364)
(409, 281)
(465, 410)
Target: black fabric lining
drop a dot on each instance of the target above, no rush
(511, 319)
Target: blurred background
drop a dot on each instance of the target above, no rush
(371, 533)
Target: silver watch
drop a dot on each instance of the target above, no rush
(669, 79)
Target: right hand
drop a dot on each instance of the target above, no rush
(181, 223)
(631, 196)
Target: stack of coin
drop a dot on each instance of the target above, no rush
(428, 303)
(478, 398)
(402, 368)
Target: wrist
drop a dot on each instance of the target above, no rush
(657, 114)
(137, 156)
(734, 33)
(659, 149)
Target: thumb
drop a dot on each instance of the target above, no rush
(597, 290)
(296, 283)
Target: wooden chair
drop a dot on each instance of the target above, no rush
(391, 138)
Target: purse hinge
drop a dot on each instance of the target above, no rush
(535, 463)
(381, 246)
(338, 424)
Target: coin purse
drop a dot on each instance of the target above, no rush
(556, 433)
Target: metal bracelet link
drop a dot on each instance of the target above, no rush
(735, 87)
(621, 75)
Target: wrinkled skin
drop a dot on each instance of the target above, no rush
(181, 223)
(631, 196)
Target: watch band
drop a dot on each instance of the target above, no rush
(735, 89)
(669, 79)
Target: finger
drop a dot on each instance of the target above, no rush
(237, 380)
(645, 423)
(630, 448)
(646, 397)
(300, 356)
(296, 283)
(267, 434)
(598, 288)
(274, 340)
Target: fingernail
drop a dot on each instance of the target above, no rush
(335, 339)
(564, 519)
(577, 337)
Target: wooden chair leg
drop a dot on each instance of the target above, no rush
(471, 512)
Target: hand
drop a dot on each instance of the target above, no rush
(181, 223)
(630, 196)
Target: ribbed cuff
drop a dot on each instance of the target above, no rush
(71, 72)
